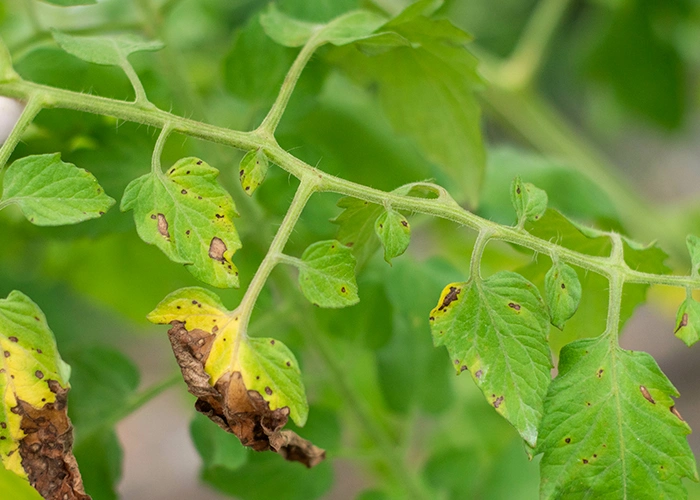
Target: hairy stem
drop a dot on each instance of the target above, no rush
(156, 167)
(307, 187)
(51, 97)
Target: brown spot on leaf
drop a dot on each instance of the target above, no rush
(676, 413)
(684, 322)
(450, 297)
(342, 289)
(478, 374)
(233, 407)
(199, 162)
(217, 248)
(497, 402)
(3, 425)
(563, 286)
(13, 339)
(7, 354)
(585, 461)
(646, 394)
(599, 373)
(404, 223)
(289, 363)
(163, 226)
(567, 440)
(46, 448)
(517, 190)
(513, 305)
(595, 456)
(268, 391)
(39, 351)
(184, 191)
(272, 342)
(39, 374)
(463, 368)
(219, 216)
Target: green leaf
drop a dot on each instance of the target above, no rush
(529, 201)
(17, 487)
(70, 3)
(7, 73)
(427, 91)
(562, 290)
(610, 428)
(342, 30)
(688, 322)
(53, 193)
(693, 243)
(30, 360)
(216, 449)
(394, 232)
(327, 274)
(497, 328)
(356, 227)
(253, 169)
(189, 216)
(108, 51)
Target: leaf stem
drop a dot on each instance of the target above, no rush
(31, 109)
(141, 98)
(269, 124)
(306, 188)
(156, 167)
(478, 252)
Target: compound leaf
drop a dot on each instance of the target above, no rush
(497, 329)
(107, 51)
(252, 170)
(189, 216)
(241, 382)
(34, 427)
(610, 428)
(529, 201)
(52, 193)
(394, 232)
(345, 29)
(688, 322)
(562, 290)
(327, 274)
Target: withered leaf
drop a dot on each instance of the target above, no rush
(248, 386)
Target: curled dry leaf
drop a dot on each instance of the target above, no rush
(247, 386)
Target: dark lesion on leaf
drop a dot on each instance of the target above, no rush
(676, 413)
(163, 227)
(451, 296)
(232, 406)
(498, 401)
(645, 393)
(46, 448)
(684, 322)
(217, 249)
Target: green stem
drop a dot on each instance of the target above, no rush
(141, 98)
(269, 124)
(527, 57)
(274, 255)
(440, 207)
(30, 111)
(156, 167)
(478, 252)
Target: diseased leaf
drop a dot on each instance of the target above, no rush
(394, 232)
(356, 227)
(189, 216)
(693, 243)
(53, 193)
(108, 50)
(247, 386)
(529, 201)
(7, 73)
(253, 170)
(610, 428)
(688, 322)
(562, 290)
(342, 30)
(497, 329)
(327, 274)
(36, 436)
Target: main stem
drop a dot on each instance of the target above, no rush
(50, 97)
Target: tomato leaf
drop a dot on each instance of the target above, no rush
(688, 322)
(497, 329)
(610, 428)
(562, 290)
(107, 51)
(394, 232)
(327, 275)
(53, 193)
(252, 170)
(189, 216)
